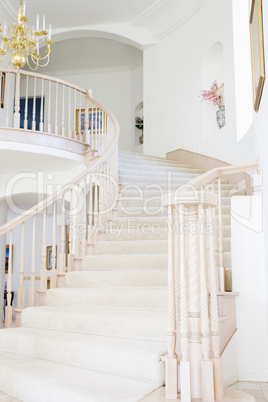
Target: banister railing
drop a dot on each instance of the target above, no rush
(80, 209)
(40, 103)
(195, 275)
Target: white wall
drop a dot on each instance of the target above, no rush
(172, 85)
(249, 278)
(137, 98)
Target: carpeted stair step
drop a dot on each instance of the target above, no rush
(131, 358)
(116, 297)
(127, 323)
(125, 261)
(132, 247)
(118, 277)
(32, 380)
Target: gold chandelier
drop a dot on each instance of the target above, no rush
(23, 43)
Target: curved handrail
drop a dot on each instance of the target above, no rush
(92, 165)
(44, 77)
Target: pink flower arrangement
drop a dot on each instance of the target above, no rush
(214, 95)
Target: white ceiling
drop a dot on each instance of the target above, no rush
(141, 22)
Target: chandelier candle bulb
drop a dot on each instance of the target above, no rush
(24, 8)
(37, 23)
(44, 23)
(49, 31)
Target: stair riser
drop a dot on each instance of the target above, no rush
(153, 222)
(137, 212)
(152, 168)
(116, 298)
(137, 326)
(159, 172)
(137, 278)
(125, 261)
(145, 234)
(86, 354)
(139, 247)
(140, 202)
(131, 247)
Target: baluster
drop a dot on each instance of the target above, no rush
(69, 114)
(77, 242)
(86, 132)
(75, 130)
(34, 107)
(214, 318)
(221, 242)
(71, 234)
(96, 206)
(32, 290)
(90, 212)
(49, 109)
(207, 364)
(9, 309)
(79, 118)
(62, 112)
(53, 274)
(84, 220)
(171, 361)
(7, 99)
(91, 129)
(43, 273)
(41, 125)
(56, 109)
(62, 257)
(21, 288)
(26, 105)
(184, 326)
(17, 101)
(94, 127)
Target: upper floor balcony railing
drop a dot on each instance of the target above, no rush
(39, 104)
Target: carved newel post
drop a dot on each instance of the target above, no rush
(195, 333)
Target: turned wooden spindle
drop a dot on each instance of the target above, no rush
(21, 288)
(62, 257)
(53, 272)
(86, 139)
(41, 124)
(207, 364)
(71, 233)
(171, 360)
(9, 309)
(214, 315)
(221, 242)
(7, 99)
(34, 107)
(25, 126)
(69, 115)
(32, 290)
(56, 109)
(84, 219)
(62, 130)
(184, 324)
(49, 109)
(17, 101)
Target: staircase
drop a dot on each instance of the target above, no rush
(101, 337)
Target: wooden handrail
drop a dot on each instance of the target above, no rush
(91, 165)
(215, 173)
(44, 77)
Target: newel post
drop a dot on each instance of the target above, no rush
(196, 329)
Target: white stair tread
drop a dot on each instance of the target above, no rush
(34, 380)
(146, 324)
(125, 357)
(117, 297)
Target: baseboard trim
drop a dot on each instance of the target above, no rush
(260, 375)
